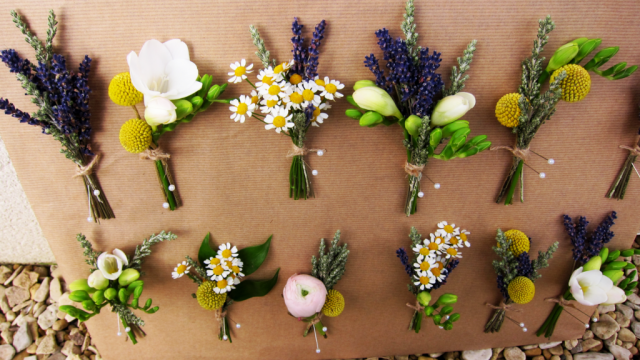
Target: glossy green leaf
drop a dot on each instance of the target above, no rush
(206, 251)
(253, 288)
(254, 256)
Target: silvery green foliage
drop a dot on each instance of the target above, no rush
(543, 260)
(262, 52)
(124, 312)
(458, 76)
(507, 265)
(145, 249)
(409, 29)
(330, 267)
(197, 268)
(90, 254)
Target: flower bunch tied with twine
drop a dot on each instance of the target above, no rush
(310, 297)
(62, 97)
(600, 276)
(516, 272)
(220, 276)
(526, 110)
(288, 98)
(114, 279)
(431, 263)
(413, 95)
(162, 76)
(619, 186)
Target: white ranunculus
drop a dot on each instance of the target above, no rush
(452, 108)
(110, 265)
(593, 288)
(163, 70)
(160, 111)
(97, 281)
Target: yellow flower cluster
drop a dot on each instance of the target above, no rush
(207, 298)
(334, 304)
(135, 136)
(576, 85)
(122, 91)
(521, 290)
(508, 111)
(519, 241)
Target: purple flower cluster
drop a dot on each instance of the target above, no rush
(525, 267)
(447, 271)
(502, 286)
(66, 92)
(404, 259)
(586, 247)
(407, 78)
(305, 60)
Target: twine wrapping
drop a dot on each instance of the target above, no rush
(87, 169)
(297, 151)
(503, 307)
(633, 150)
(154, 154)
(413, 170)
(560, 300)
(417, 307)
(516, 151)
(314, 321)
(220, 315)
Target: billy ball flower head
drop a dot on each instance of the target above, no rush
(207, 297)
(279, 119)
(330, 89)
(241, 108)
(163, 70)
(135, 136)
(576, 85)
(180, 269)
(111, 264)
(521, 290)
(240, 71)
(334, 304)
(304, 295)
(519, 241)
(226, 252)
(508, 111)
(122, 91)
(425, 280)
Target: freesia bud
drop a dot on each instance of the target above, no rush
(353, 113)
(563, 56)
(585, 49)
(97, 281)
(424, 298)
(363, 83)
(160, 111)
(370, 118)
(376, 99)
(128, 276)
(593, 264)
(452, 108)
(98, 297)
(614, 275)
(80, 284)
(110, 293)
(447, 299)
(183, 108)
(79, 296)
(413, 125)
(615, 296)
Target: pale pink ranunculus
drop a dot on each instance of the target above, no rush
(304, 295)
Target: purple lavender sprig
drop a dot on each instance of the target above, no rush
(299, 52)
(311, 67)
(525, 266)
(404, 259)
(584, 246)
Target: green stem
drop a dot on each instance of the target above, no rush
(164, 177)
(619, 186)
(514, 183)
(411, 203)
(130, 333)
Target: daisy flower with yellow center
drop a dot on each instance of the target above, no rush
(240, 71)
(425, 264)
(440, 261)
(180, 269)
(281, 69)
(226, 252)
(293, 98)
(423, 252)
(224, 285)
(318, 115)
(453, 253)
(438, 273)
(425, 280)
(309, 89)
(241, 108)
(268, 105)
(295, 79)
(255, 98)
(319, 83)
(218, 272)
(274, 91)
(236, 268)
(447, 230)
(212, 262)
(331, 88)
(279, 119)
(267, 77)
(463, 238)
(436, 243)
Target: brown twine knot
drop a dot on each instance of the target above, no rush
(87, 169)
(154, 154)
(503, 307)
(560, 300)
(314, 321)
(417, 307)
(634, 150)
(516, 151)
(413, 170)
(220, 315)
(297, 151)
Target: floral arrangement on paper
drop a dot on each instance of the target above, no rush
(619, 186)
(164, 77)
(516, 272)
(220, 276)
(413, 95)
(431, 263)
(599, 276)
(113, 280)
(289, 98)
(310, 297)
(62, 97)
(525, 111)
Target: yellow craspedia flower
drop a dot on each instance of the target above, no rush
(576, 85)
(521, 290)
(135, 136)
(122, 91)
(519, 241)
(508, 111)
(334, 305)
(207, 298)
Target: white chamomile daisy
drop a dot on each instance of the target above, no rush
(447, 230)
(268, 105)
(295, 79)
(453, 253)
(226, 252)
(464, 238)
(436, 244)
(224, 285)
(438, 273)
(423, 252)
(319, 83)
(255, 98)
(293, 98)
(212, 261)
(240, 71)
(318, 115)
(425, 280)
(241, 107)
(424, 264)
(331, 88)
(236, 267)
(274, 91)
(309, 95)
(180, 269)
(218, 272)
(440, 261)
(266, 77)
(279, 119)
(281, 69)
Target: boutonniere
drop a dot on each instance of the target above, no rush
(62, 97)
(220, 276)
(310, 297)
(162, 76)
(619, 186)
(114, 281)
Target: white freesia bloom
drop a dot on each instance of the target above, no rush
(452, 108)
(160, 111)
(164, 70)
(97, 281)
(111, 265)
(593, 288)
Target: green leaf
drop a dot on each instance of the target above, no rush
(206, 251)
(254, 256)
(252, 288)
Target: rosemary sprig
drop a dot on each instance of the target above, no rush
(91, 256)
(51, 33)
(409, 29)
(507, 265)
(458, 77)
(262, 53)
(145, 249)
(330, 267)
(30, 38)
(542, 261)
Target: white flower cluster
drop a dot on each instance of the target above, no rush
(225, 269)
(435, 252)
